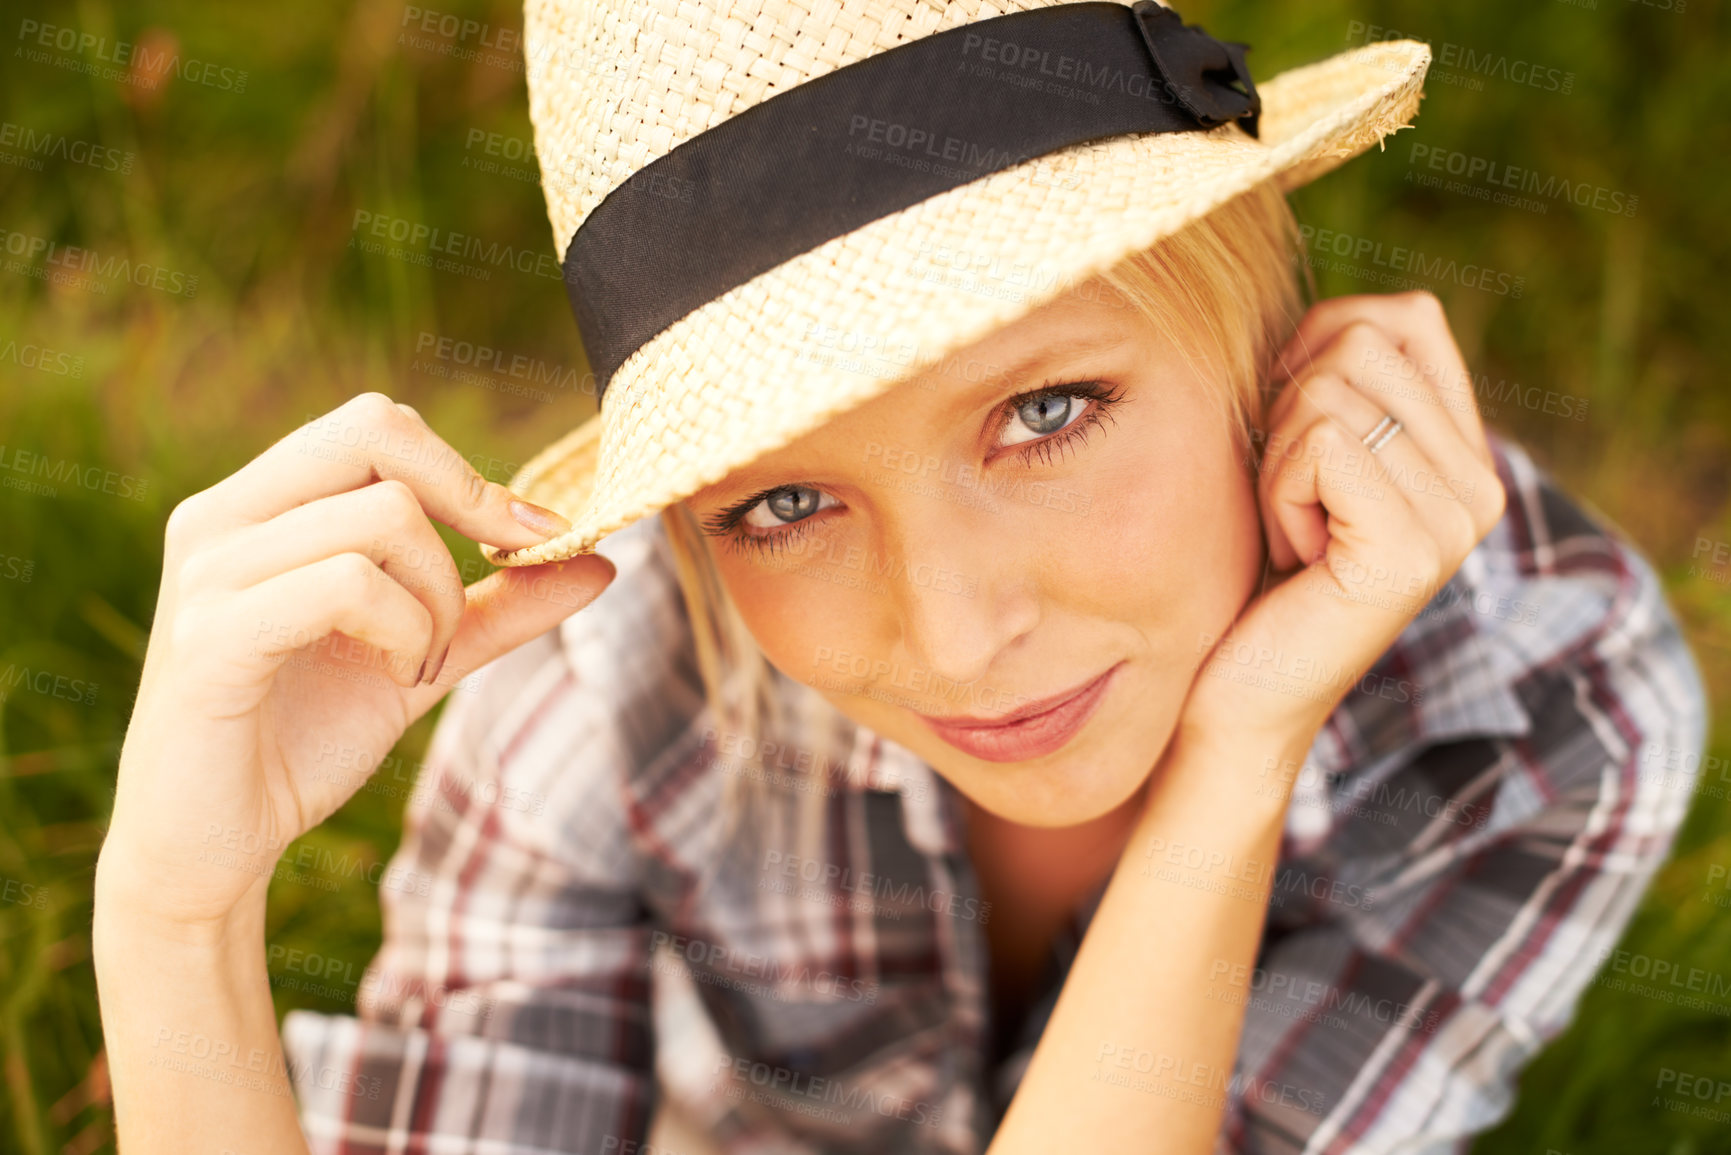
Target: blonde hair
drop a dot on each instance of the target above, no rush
(1227, 290)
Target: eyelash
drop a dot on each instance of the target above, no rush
(728, 523)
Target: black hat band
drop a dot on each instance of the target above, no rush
(824, 158)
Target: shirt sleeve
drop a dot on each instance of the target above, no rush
(508, 1009)
(1478, 886)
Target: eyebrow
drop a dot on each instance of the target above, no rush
(1018, 372)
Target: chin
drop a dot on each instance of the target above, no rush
(1069, 792)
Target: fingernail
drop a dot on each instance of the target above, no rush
(440, 664)
(543, 521)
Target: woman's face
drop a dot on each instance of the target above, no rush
(1060, 507)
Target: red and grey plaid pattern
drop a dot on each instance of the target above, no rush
(604, 924)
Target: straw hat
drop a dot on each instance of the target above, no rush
(705, 368)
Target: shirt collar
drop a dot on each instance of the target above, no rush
(1446, 676)
(931, 816)
(1449, 675)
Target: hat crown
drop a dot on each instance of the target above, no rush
(615, 84)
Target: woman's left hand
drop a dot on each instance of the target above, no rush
(1376, 534)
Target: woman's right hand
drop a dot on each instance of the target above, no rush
(301, 598)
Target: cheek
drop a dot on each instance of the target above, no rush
(810, 616)
(1184, 549)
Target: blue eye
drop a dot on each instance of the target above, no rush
(1042, 415)
(783, 506)
(1042, 421)
(1053, 419)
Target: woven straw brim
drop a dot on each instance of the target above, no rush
(773, 359)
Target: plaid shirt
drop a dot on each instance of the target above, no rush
(1466, 842)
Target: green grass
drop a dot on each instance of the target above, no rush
(254, 194)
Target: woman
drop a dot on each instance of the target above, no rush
(1134, 608)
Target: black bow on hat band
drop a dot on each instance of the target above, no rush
(826, 157)
(1199, 68)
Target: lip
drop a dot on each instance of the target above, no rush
(1029, 731)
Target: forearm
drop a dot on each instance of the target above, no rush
(1134, 1048)
(193, 1052)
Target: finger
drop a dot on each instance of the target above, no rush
(1387, 475)
(1417, 325)
(1337, 521)
(510, 607)
(344, 594)
(367, 439)
(1364, 541)
(383, 521)
(1322, 394)
(1363, 354)
(1290, 490)
(1464, 472)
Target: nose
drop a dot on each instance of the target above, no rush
(961, 583)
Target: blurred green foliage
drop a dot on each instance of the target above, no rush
(231, 185)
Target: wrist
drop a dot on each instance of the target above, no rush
(1254, 693)
(1242, 775)
(133, 908)
(1243, 752)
